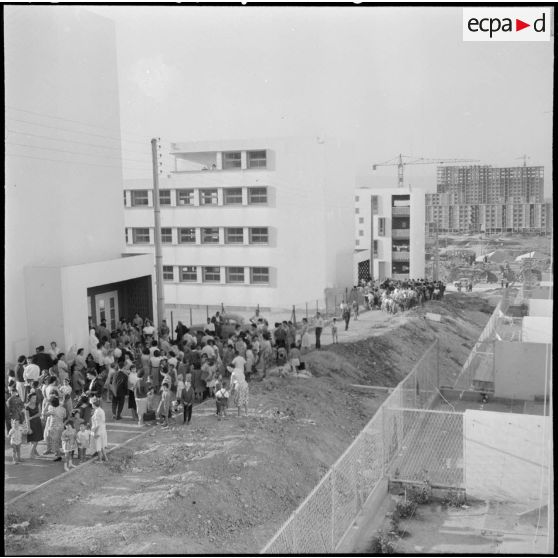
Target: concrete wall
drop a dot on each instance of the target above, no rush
(540, 307)
(520, 369)
(61, 208)
(536, 329)
(507, 456)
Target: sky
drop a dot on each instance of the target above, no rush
(391, 80)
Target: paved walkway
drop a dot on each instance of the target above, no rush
(26, 476)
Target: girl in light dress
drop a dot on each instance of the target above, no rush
(69, 444)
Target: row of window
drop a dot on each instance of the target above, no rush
(206, 235)
(212, 274)
(254, 159)
(207, 196)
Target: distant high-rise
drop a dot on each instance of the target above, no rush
(482, 198)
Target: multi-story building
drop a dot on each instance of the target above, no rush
(248, 222)
(63, 220)
(479, 198)
(389, 230)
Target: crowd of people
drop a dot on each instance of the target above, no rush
(57, 397)
(63, 397)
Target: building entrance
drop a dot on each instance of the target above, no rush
(106, 308)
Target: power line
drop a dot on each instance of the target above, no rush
(74, 152)
(73, 131)
(68, 120)
(70, 141)
(61, 161)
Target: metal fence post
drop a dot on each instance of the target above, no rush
(222, 308)
(306, 309)
(317, 309)
(191, 315)
(333, 509)
(438, 363)
(294, 315)
(172, 326)
(207, 310)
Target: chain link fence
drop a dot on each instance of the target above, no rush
(404, 440)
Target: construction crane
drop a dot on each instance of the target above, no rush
(401, 164)
(524, 158)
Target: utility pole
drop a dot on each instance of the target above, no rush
(158, 246)
(436, 261)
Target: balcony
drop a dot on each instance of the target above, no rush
(401, 211)
(400, 233)
(400, 256)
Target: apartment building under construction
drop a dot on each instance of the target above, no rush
(482, 198)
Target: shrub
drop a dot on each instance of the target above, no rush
(420, 494)
(381, 544)
(405, 509)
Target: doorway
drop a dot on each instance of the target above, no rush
(106, 308)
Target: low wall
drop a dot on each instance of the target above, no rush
(507, 456)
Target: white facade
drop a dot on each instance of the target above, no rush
(248, 222)
(64, 218)
(389, 222)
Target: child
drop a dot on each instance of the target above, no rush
(16, 436)
(294, 357)
(150, 397)
(66, 395)
(334, 330)
(69, 444)
(221, 400)
(83, 441)
(187, 399)
(163, 409)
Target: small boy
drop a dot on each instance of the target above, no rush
(294, 358)
(83, 440)
(16, 436)
(187, 399)
(222, 400)
(334, 330)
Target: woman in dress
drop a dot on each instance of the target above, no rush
(99, 430)
(55, 415)
(240, 390)
(34, 417)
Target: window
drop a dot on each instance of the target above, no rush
(357, 242)
(256, 159)
(208, 197)
(234, 235)
(361, 219)
(232, 196)
(231, 160)
(166, 235)
(357, 210)
(185, 197)
(235, 275)
(189, 273)
(210, 235)
(259, 275)
(259, 235)
(187, 235)
(140, 236)
(382, 226)
(164, 197)
(168, 273)
(139, 197)
(257, 195)
(357, 198)
(124, 198)
(212, 274)
(374, 205)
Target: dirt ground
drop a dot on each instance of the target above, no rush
(226, 486)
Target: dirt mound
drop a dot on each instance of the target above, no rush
(226, 486)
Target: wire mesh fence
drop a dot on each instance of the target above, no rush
(403, 440)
